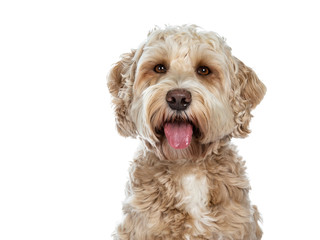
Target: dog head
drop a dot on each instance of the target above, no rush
(182, 92)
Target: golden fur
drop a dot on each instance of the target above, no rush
(200, 192)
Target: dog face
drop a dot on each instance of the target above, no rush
(182, 91)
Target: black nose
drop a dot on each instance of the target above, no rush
(178, 99)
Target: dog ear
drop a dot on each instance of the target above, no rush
(120, 81)
(248, 92)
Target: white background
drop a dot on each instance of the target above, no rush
(63, 167)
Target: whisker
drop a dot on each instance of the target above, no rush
(186, 116)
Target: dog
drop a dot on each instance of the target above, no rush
(184, 95)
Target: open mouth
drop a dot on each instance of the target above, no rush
(179, 133)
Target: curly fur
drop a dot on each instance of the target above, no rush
(200, 192)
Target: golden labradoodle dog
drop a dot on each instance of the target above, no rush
(184, 95)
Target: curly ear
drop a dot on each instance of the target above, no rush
(120, 81)
(248, 92)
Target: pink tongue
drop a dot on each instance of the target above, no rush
(179, 135)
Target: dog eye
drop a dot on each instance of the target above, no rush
(203, 70)
(160, 68)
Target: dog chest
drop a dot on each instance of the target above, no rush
(194, 198)
(194, 193)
